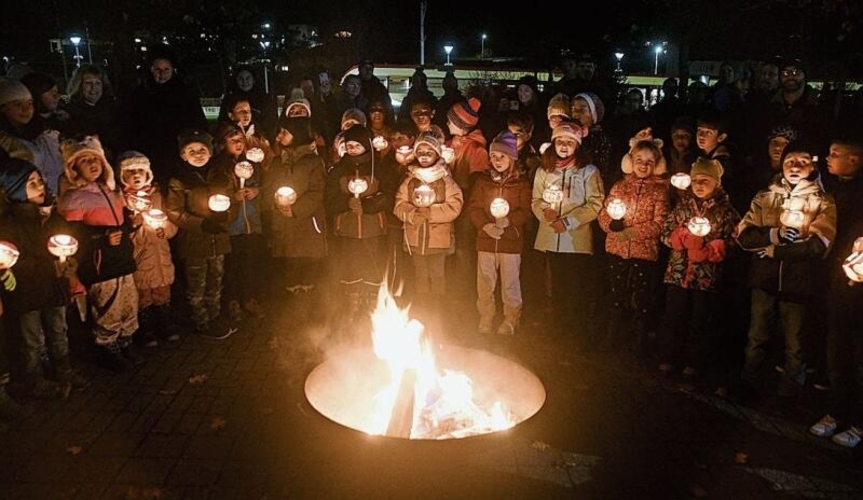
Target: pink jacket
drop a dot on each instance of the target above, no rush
(646, 207)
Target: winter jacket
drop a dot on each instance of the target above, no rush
(93, 212)
(471, 157)
(187, 207)
(513, 188)
(791, 269)
(848, 194)
(304, 234)
(372, 222)
(582, 200)
(42, 151)
(436, 234)
(153, 254)
(247, 216)
(699, 267)
(646, 208)
(101, 119)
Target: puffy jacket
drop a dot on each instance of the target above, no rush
(513, 188)
(153, 254)
(646, 208)
(188, 196)
(582, 200)
(437, 233)
(375, 201)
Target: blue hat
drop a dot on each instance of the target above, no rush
(13, 178)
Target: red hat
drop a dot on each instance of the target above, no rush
(465, 114)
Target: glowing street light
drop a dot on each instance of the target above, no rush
(619, 57)
(448, 49)
(482, 46)
(659, 49)
(75, 41)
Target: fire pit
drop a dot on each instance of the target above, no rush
(406, 388)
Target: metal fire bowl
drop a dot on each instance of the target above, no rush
(343, 388)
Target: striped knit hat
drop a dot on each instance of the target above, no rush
(465, 114)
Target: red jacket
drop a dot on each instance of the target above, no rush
(516, 190)
(646, 207)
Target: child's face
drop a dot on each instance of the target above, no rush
(89, 167)
(284, 138)
(51, 99)
(454, 129)
(354, 148)
(245, 81)
(554, 121)
(565, 147)
(35, 188)
(19, 113)
(135, 178)
(521, 136)
(525, 93)
(708, 138)
(581, 112)
(775, 148)
(703, 186)
(797, 166)
(842, 161)
(426, 155)
(643, 163)
(398, 140)
(235, 144)
(241, 114)
(500, 162)
(195, 154)
(681, 140)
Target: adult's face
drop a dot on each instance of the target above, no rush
(245, 80)
(792, 79)
(352, 87)
(162, 71)
(525, 93)
(768, 79)
(775, 148)
(91, 88)
(586, 70)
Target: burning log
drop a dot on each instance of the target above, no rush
(402, 416)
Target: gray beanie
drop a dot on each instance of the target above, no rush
(12, 90)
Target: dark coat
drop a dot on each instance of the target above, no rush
(187, 207)
(516, 190)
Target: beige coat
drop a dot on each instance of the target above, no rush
(153, 254)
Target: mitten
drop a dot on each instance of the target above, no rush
(212, 226)
(550, 214)
(355, 205)
(616, 226)
(690, 241)
(502, 223)
(716, 251)
(558, 226)
(698, 254)
(492, 230)
(627, 234)
(8, 280)
(678, 237)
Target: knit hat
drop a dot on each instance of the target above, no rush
(786, 131)
(298, 100)
(299, 127)
(227, 130)
(189, 136)
(13, 178)
(505, 143)
(431, 139)
(134, 160)
(566, 131)
(359, 134)
(594, 103)
(798, 146)
(559, 106)
(72, 150)
(708, 167)
(12, 90)
(465, 114)
(354, 115)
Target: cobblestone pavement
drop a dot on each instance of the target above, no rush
(228, 419)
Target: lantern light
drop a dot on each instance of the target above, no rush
(379, 143)
(8, 255)
(244, 170)
(499, 208)
(698, 226)
(424, 196)
(62, 246)
(285, 196)
(552, 195)
(219, 203)
(255, 155)
(616, 209)
(792, 218)
(448, 154)
(155, 218)
(681, 180)
(358, 186)
(138, 202)
(853, 265)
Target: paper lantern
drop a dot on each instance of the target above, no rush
(62, 246)
(424, 196)
(8, 254)
(219, 203)
(405, 150)
(499, 208)
(285, 196)
(616, 209)
(552, 194)
(138, 202)
(853, 267)
(698, 226)
(255, 155)
(358, 186)
(244, 170)
(681, 180)
(155, 218)
(379, 143)
(792, 218)
(448, 154)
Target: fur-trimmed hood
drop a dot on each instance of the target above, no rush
(73, 149)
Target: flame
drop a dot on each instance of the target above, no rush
(443, 400)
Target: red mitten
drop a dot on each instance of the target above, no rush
(699, 254)
(677, 238)
(690, 241)
(716, 251)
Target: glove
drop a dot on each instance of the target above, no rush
(616, 226)
(8, 280)
(558, 226)
(502, 223)
(788, 235)
(550, 214)
(356, 205)
(492, 230)
(698, 254)
(692, 242)
(212, 226)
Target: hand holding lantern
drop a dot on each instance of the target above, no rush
(285, 197)
(8, 255)
(155, 218)
(219, 203)
(357, 186)
(853, 265)
(448, 154)
(379, 143)
(62, 246)
(681, 180)
(424, 196)
(616, 209)
(138, 202)
(404, 155)
(255, 155)
(499, 208)
(698, 226)
(244, 170)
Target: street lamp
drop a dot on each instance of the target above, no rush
(448, 48)
(482, 46)
(619, 57)
(75, 41)
(658, 50)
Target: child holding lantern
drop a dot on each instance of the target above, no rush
(94, 208)
(700, 232)
(635, 212)
(499, 208)
(789, 228)
(152, 230)
(428, 201)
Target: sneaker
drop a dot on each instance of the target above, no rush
(146, 339)
(506, 328)
(254, 308)
(486, 326)
(849, 438)
(824, 427)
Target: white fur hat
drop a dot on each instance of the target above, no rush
(90, 144)
(134, 160)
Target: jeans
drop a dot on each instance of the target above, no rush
(488, 264)
(791, 320)
(38, 328)
(204, 287)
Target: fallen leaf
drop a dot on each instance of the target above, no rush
(741, 458)
(74, 450)
(698, 491)
(218, 423)
(198, 379)
(539, 445)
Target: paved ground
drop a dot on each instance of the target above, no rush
(220, 420)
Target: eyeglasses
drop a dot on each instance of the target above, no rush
(792, 72)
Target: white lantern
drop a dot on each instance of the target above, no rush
(698, 226)
(244, 170)
(285, 196)
(499, 208)
(358, 186)
(8, 255)
(219, 203)
(616, 209)
(792, 218)
(379, 143)
(552, 195)
(447, 153)
(155, 218)
(681, 180)
(255, 155)
(138, 202)
(853, 267)
(404, 150)
(424, 196)
(62, 246)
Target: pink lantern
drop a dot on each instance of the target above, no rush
(62, 246)
(792, 218)
(244, 170)
(8, 255)
(616, 209)
(499, 208)
(155, 218)
(424, 196)
(681, 180)
(219, 203)
(358, 186)
(698, 226)
(285, 196)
